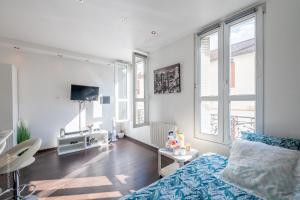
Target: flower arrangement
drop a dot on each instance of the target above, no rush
(175, 141)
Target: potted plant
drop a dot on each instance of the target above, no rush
(121, 133)
(23, 133)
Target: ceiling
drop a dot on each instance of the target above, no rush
(109, 29)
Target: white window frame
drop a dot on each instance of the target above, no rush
(224, 98)
(145, 99)
(199, 98)
(118, 100)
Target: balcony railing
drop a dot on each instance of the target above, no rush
(140, 116)
(237, 124)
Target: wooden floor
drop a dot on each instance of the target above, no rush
(107, 173)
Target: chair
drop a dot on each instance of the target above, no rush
(15, 159)
(2, 147)
(4, 135)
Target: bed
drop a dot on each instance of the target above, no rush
(196, 180)
(199, 179)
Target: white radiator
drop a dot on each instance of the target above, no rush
(159, 132)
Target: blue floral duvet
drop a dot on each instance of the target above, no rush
(195, 180)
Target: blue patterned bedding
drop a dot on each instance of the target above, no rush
(195, 180)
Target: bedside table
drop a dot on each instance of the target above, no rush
(178, 160)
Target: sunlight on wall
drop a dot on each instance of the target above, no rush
(97, 110)
(73, 125)
(94, 114)
(90, 115)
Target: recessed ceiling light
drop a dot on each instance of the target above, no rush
(153, 32)
(17, 48)
(80, 1)
(124, 19)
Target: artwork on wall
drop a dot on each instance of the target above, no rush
(167, 80)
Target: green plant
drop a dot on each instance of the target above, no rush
(23, 133)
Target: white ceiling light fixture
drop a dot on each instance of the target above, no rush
(80, 1)
(124, 19)
(153, 33)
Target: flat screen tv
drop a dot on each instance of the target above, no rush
(84, 93)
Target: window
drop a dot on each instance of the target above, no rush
(209, 98)
(140, 98)
(121, 91)
(242, 97)
(229, 82)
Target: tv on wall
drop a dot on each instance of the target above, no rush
(84, 93)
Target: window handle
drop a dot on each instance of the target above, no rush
(226, 82)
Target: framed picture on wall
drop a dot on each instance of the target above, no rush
(167, 80)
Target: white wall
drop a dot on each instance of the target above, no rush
(44, 91)
(6, 95)
(9, 101)
(282, 70)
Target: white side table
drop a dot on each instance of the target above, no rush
(178, 160)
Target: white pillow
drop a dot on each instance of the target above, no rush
(263, 170)
(297, 184)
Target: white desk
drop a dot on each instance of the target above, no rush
(178, 160)
(4, 135)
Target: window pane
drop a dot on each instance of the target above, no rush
(209, 65)
(242, 58)
(242, 117)
(140, 113)
(209, 117)
(140, 78)
(122, 110)
(122, 81)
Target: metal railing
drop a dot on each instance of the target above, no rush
(237, 124)
(140, 116)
